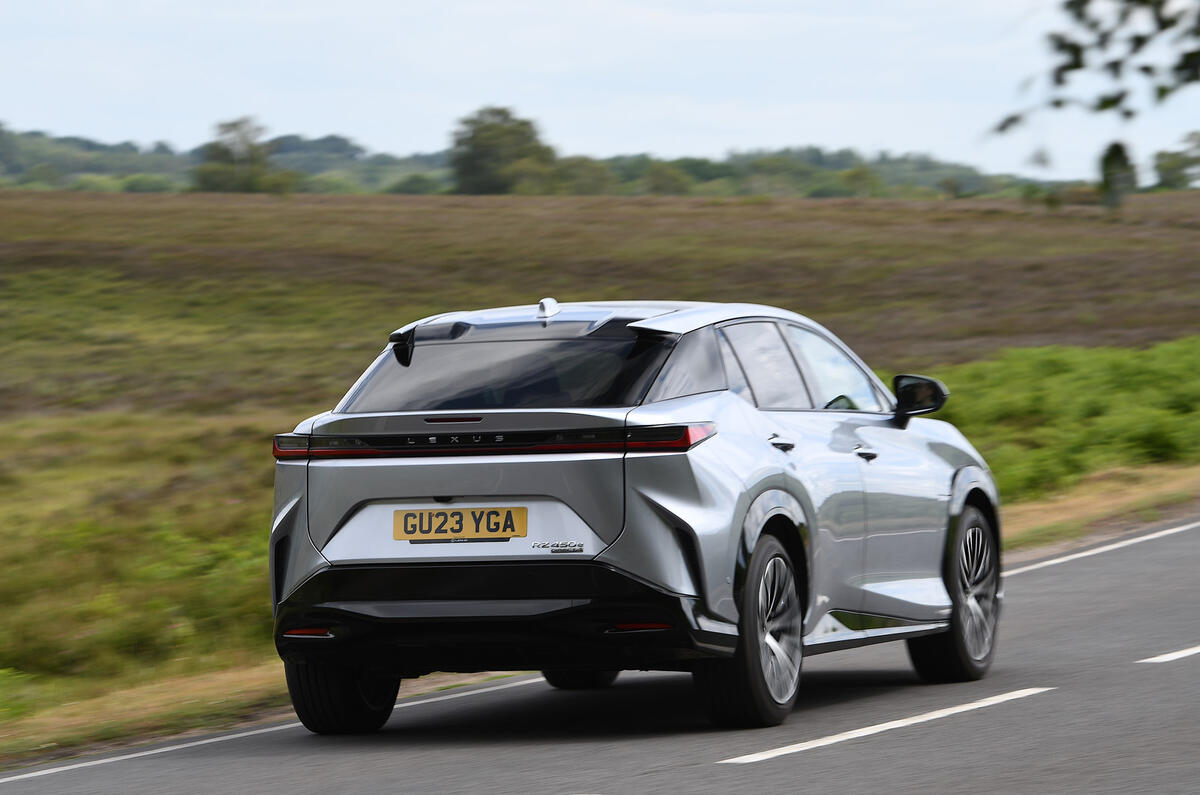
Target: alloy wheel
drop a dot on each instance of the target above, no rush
(978, 581)
(779, 630)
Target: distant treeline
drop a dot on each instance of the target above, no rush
(493, 151)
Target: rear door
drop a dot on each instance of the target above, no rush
(820, 469)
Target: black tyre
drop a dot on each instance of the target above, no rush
(334, 699)
(580, 679)
(973, 580)
(758, 687)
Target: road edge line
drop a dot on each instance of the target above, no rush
(1087, 553)
(878, 728)
(239, 735)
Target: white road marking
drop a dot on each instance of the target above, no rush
(1174, 655)
(251, 733)
(1170, 531)
(882, 727)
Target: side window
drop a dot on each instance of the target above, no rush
(693, 367)
(838, 383)
(769, 366)
(733, 373)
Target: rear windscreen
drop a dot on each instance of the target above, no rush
(556, 373)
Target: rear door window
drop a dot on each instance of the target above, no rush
(694, 367)
(837, 382)
(769, 365)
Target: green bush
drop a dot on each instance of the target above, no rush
(148, 183)
(1042, 417)
(415, 185)
(98, 183)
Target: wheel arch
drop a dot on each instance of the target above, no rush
(973, 487)
(776, 513)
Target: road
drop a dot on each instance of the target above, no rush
(1071, 705)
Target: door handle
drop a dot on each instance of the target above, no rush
(866, 455)
(780, 442)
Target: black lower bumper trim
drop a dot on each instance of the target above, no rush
(418, 618)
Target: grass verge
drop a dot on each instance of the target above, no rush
(173, 706)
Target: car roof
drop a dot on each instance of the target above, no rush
(674, 317)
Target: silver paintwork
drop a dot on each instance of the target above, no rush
(874, 534)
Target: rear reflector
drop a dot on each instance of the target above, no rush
(308, 632)
(651, 439)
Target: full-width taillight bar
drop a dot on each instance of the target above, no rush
(638, 439)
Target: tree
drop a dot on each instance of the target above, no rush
(583, 176)
(487, 144)
(666, 180)
(415, 184)
(237, 162)
(1178, 170)
(1172, 170)
(1154, 44)
(1117, 175)
(862, 180)
(10, 154)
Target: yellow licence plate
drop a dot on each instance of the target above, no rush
(454, 524)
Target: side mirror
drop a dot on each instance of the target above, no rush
(916, 394)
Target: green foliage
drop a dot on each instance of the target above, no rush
(1118, 177)
(1177, 170)
(98, 183)
(415, 184)
(41, 174)
(1043, 417)
(330, 183)
(665, 179)
(237, 162)
(17, 694)
(583, 176)
(148, 183)
(489, 145)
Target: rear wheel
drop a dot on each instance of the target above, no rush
(973, 579)
(580, 679)
(335, 699)
(758, 687)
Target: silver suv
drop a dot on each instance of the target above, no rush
(590, 487)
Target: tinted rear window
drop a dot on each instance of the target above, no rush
(555, 373)
(694, 367)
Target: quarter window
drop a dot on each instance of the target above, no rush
(733, 373)
(769, 366)
(694, 367)
(837, 382)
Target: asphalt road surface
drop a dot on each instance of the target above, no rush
(1095, 688)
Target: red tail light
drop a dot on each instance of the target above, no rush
(669, 438)
(290, 445)
(308, 632)
(649, 439)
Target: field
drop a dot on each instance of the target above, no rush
(152, 344)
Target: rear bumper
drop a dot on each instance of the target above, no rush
(418, 618)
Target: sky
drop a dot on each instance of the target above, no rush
(600, 77)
